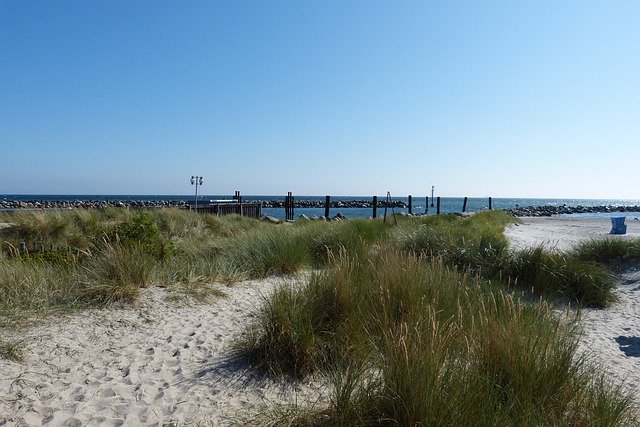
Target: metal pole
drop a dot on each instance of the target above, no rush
(197, 180)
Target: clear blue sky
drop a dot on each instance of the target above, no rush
(479, 98)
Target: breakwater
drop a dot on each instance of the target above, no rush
(568, 210)
(315, 206)
(90, 204)
(185, 204)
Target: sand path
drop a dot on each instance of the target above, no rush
(152, 363)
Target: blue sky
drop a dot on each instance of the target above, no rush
(478, 98)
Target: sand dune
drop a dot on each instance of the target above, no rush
(157, 362)
(154, 362)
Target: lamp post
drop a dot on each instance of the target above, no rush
(432, 188)
(197, 180)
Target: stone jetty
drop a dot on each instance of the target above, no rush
(89, 204)
(333, 204)
(147, 204)
(564, 210)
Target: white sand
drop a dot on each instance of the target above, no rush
(156, 362)
(611, 337)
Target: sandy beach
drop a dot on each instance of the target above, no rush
(610, 337)
(155, 362)
(159, 362)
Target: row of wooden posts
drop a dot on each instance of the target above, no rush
(289, 203)
(253, 209)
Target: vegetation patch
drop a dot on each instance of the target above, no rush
(407, 341)
(413, 324)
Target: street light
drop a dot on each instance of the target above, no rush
(197, 180)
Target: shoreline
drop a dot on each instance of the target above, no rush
(517, 211)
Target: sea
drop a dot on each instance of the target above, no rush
(421, 205)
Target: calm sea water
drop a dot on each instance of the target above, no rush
(447, 204)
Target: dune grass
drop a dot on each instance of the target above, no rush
(476, 243)
(413, 324)
(80, 258)
(11, 349)
(407, 341)
(613, 252)
(586, 282)
(77, 257)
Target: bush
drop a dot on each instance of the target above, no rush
(141, 231)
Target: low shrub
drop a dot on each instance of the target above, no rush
(142, 231)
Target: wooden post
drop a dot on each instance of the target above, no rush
(410, 205)
(286, 205)
(327, 203)
(375, 206)
(464, 205)
(426, 205)
(438, 205)
(289, 214)
(489, 203)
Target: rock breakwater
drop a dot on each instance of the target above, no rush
(89, 204)
(145, 204)
(565, 210)
(334, 204)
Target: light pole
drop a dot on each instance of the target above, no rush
(432, 188)
(197, 180)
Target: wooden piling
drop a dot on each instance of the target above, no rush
(426, 205)
(374, 204)
(291, 213)
(490, 203)
(288, 206)
(410, 205)
(464, 205)
(438, 205)
(327, 203)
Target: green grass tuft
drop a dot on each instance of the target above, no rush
(546, 272)
(407, 341)
(115, 273)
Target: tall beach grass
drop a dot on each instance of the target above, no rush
(409, 341)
